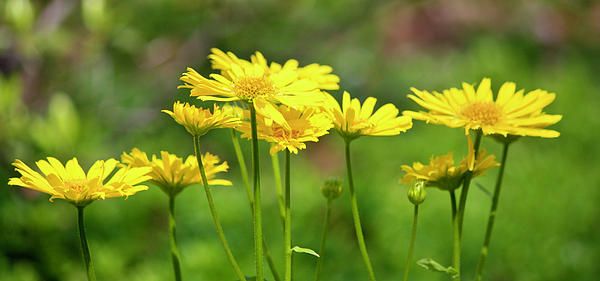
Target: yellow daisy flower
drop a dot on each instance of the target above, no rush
(351, 120)
(198, 121)
(443, 174)
(511, 113)
(172, 174)
(72, 184)
(254, 83)
(321, 74)
(305, 125)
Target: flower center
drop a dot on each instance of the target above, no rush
(485, 113)
(249, 88)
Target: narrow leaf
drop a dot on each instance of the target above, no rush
(432, 265)
(298, 249)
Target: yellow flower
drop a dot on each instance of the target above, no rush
(72, 184)
(442, 173)
(512, 113)
(305, 125)
(172, 174)
(321, 74)
(254, 83)
(198, 121)
(352, 120)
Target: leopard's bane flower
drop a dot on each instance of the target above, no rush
(71, 183)
(305, 125)
(198, 121)
(255, 83)
(320, 74)
(351, 120)
(441, 172)
(511, 113)
(172, 174)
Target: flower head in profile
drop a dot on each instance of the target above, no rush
(198, 121)
(255, 83)
(69, 182)
(172, 174)
(511, 113)
(305, 125)
(352, 120)
(441, 172)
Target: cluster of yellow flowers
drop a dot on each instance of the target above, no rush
(288, 105)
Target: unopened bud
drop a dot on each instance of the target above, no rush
(416, 193)
(332, 189)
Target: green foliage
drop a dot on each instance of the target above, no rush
(90, 82)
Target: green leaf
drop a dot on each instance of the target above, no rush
(432, 265)
(298, 249)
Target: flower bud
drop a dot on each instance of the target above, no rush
(332, 189)
(416, 193)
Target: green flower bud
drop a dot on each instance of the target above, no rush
(416, 193)
(332, 189)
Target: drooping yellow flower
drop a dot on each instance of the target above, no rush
(351, 120)
(198, 121)
(172, 174)
(255, 83)
(72, 184)
(511, 113)
(305, 125)
(441, 172)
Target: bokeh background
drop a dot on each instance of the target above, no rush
(89, 78)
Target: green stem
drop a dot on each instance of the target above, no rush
(287, 226)
(175, 256)
(242, 163)
(356, 217)
(323, 240)
(258, 231)
(463, 199)
(411, 247)
(87, 258)
(278, 187)
(213, 212)
(492, 215)
(455, 236)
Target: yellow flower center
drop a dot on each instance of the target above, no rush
(285, 134)
(485, 113)
(249, 88)
(75, 186)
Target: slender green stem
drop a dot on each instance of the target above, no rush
(411, 247)
(278, 187)
(492, 215)
(242, 163)
(287, 226)
(258, 231)
(87, 258)
(356, 217)
(463, 200)
(213, 212)
(455, 236)
(323, 241)
(175, 256)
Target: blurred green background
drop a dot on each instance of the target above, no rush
(89, 78)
